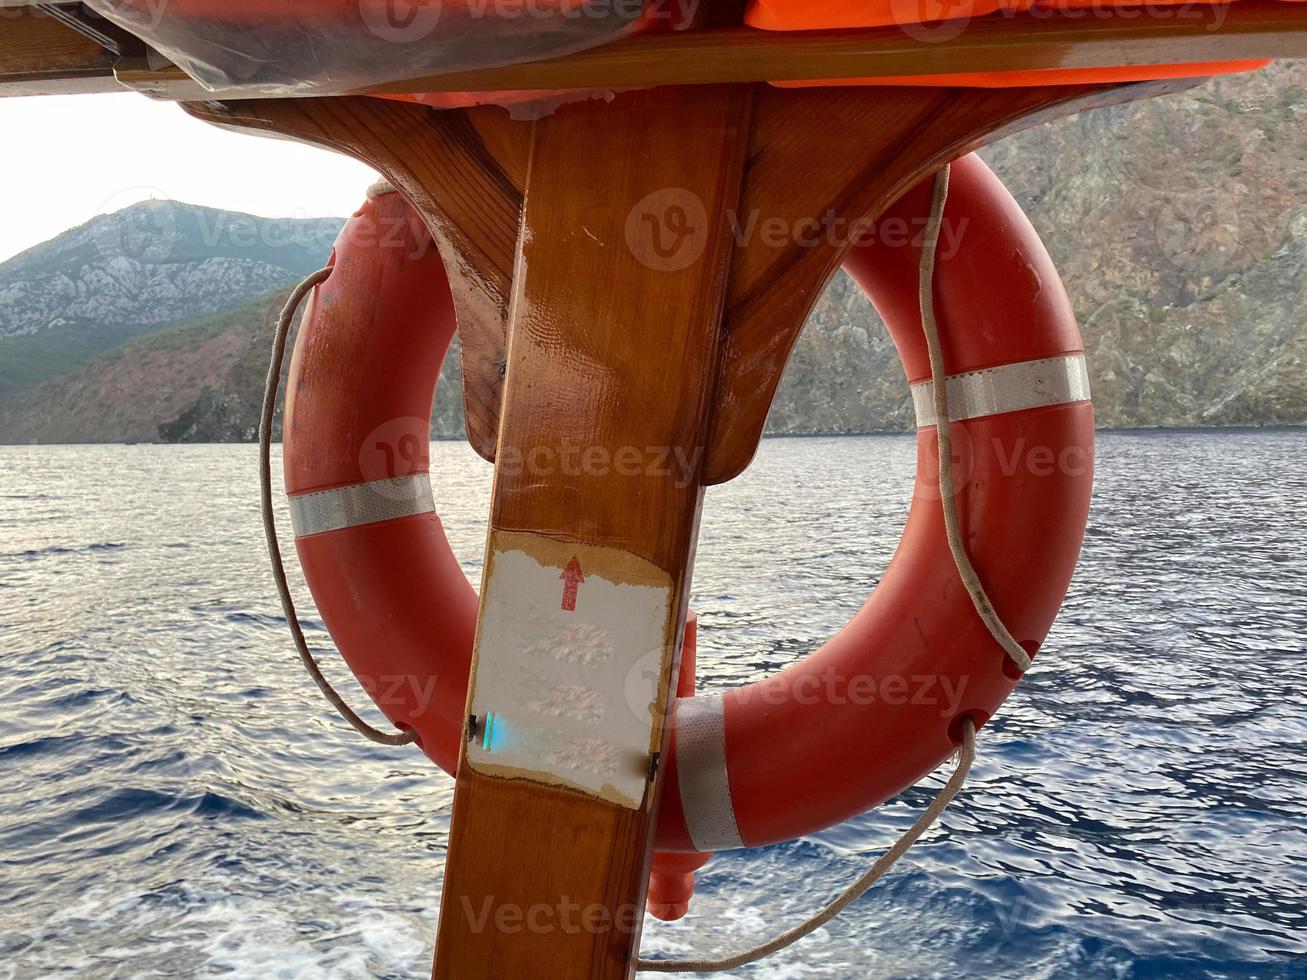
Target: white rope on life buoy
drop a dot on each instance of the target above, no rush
(975, 589)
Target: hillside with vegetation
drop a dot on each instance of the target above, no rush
(1178, 224)
(133, 272)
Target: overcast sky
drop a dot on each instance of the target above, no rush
(69, 158)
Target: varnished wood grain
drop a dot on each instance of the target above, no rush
(821, 155)
(40, 56)
(613, 347)
(820, 161)
(463, 170)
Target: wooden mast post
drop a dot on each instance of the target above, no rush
(613, 344)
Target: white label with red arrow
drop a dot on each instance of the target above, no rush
(573, 644)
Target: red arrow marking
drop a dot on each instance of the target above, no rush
(572, 577)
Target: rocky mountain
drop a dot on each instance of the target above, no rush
(1185, 242)
(1179, 226)
(151, 265)
(202, 382)
(128, 393)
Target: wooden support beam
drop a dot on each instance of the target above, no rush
(36, 58)
(612, 368)
(1102, 37)
(464, 170)
(821, 162)
(40, 56)
(820, 155)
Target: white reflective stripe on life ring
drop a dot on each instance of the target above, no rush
(702, 774)
(361, 503)
(1010, 388)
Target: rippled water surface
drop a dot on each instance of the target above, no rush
(175, 799)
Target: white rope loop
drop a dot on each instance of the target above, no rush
(967, 572)
(297, 297)
(966, 756)
(943, 429)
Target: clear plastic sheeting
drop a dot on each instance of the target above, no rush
(326, 47)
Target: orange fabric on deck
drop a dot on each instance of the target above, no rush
(941, 19)
(824, 15)
(1051, 76)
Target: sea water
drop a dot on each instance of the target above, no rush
(176, 800)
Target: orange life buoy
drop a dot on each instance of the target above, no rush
(356, 459)
(879, 706)
(872, 711)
